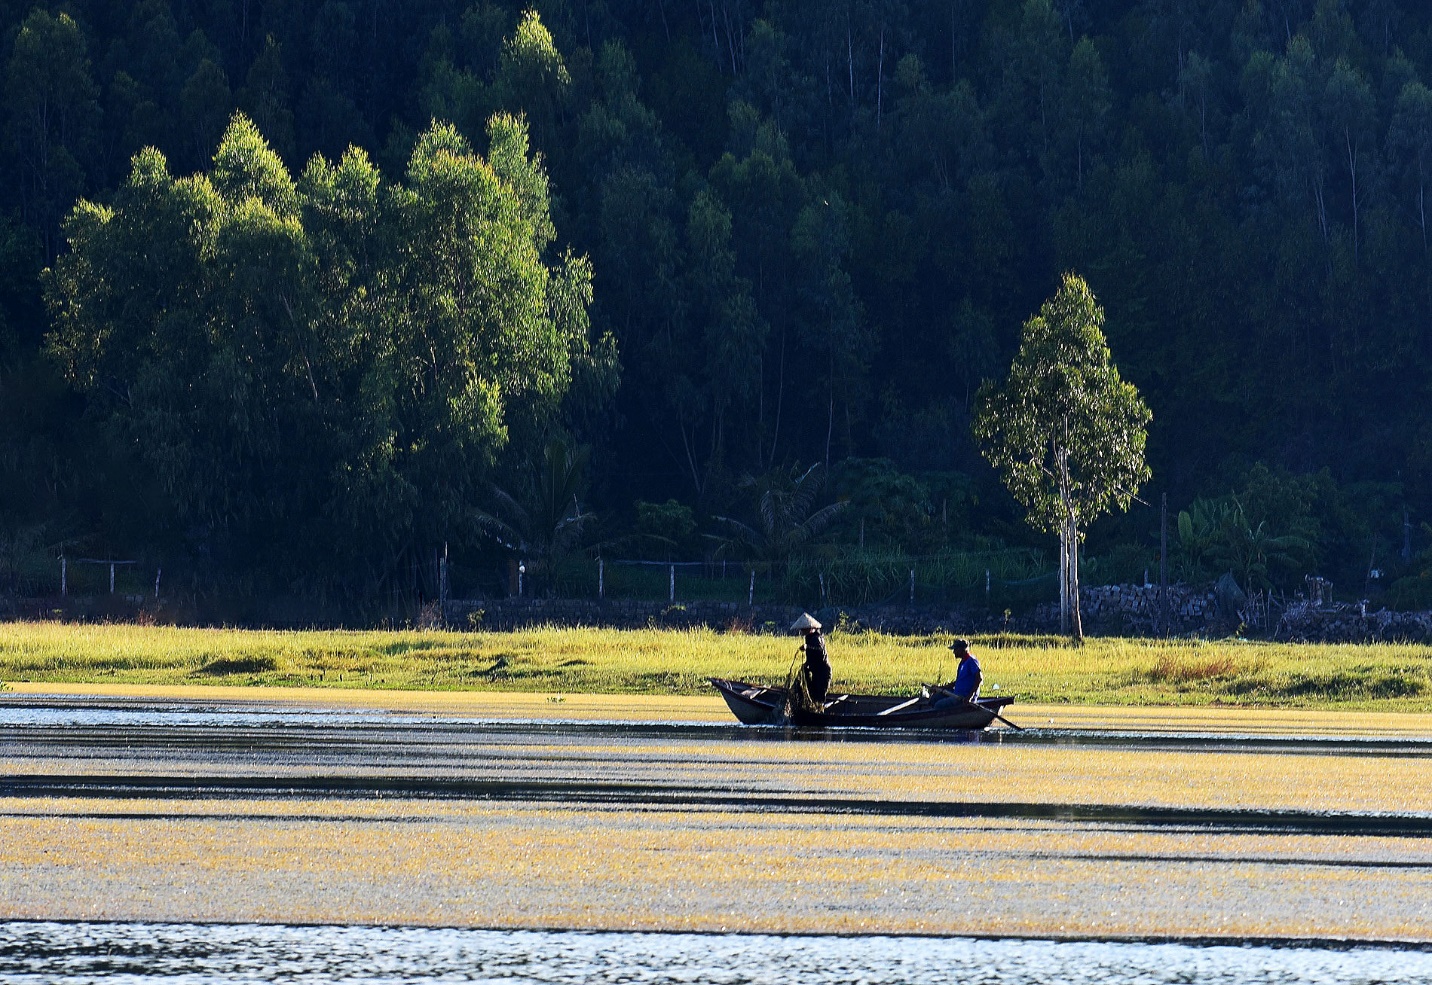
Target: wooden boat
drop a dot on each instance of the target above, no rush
(757, 705)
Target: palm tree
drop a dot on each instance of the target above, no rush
(1249, 548)
(1219, 534)
(546, 524)
(784, 518)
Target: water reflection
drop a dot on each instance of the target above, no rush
(181, 953)
(108, 713)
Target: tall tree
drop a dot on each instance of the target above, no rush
(265, 97)
(833, 326)
(53, 112)
(1066, 433)
(1410, 136)
(1350, 112)
(1084, 105)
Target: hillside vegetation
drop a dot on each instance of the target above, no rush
(272, 354)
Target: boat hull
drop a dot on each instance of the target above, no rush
(753, 704)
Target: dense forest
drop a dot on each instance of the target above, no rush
(294, 292)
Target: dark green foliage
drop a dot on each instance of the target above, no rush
(328, 367)
(544, 522)
(814, 229)
(781, 515)
(665, 529)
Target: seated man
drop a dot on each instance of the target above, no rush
(966, 685)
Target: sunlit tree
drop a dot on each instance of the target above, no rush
(1066, 433)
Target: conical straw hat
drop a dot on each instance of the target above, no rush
(805, 622)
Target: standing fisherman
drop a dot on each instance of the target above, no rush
(816, 671)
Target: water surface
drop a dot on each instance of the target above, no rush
(176, 954)
(131, 715)
(240, 813)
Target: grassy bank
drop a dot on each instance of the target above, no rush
(1105, 671)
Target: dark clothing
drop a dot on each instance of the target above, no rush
(817, 667)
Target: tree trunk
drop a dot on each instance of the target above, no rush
(1068, 551)
(1076, 617)
(1422, 213)
(880, 81)
(830, 414)
(1352, 177)
(1063, 579)
(780, 397)
(850, 61)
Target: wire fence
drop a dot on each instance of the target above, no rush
(1013, 577)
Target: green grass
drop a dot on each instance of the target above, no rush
(1385, 677)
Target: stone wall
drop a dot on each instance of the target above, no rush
(1346, 623)
(513, 613)
(1137, 610)
(626, 614)
(1123, 610)
(1108, 610)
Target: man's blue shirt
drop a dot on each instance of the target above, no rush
(967, 678)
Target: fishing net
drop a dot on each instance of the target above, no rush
(798, 695)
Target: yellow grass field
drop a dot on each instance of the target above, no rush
(1376, 677)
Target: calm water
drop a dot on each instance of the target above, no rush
(33, 953)
(26, 712)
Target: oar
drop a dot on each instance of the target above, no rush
(899, 707)
(1017, 728)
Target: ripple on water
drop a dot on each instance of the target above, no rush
(176, 954)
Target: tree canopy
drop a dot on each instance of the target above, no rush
(324, 367)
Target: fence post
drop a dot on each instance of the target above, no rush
(158, 573)
(601, 578)
(912, 586)
(751, 594)
(1163, 567)
(821, 576)
(986, 586)
(521, 570)
(111, 577)
(64, 577)
(443, 586)
(672, 571)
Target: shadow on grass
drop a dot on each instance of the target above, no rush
(226, 666)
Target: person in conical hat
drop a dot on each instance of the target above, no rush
(817, 662)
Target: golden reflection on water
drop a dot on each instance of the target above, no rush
(571, 861)
(525, 866)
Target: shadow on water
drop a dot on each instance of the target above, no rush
(148, 741)
(178, 954)
(626, 796)
(72, 714)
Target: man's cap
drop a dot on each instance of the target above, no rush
(806, 621)
(959, 645)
